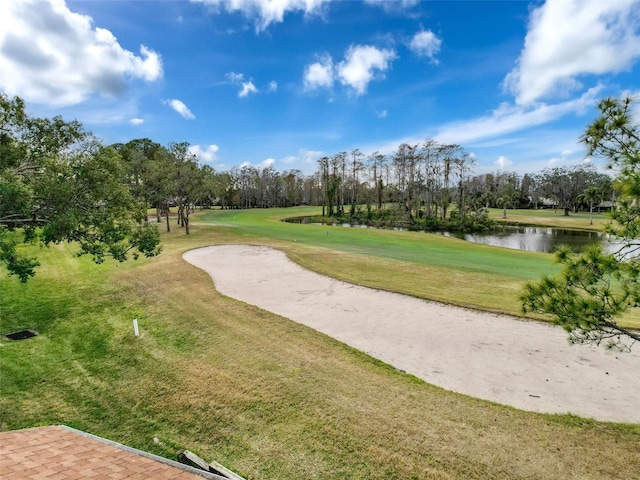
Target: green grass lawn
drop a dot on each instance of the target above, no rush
(553, 218)
(267, 397)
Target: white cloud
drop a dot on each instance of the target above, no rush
(207, 154)
(382, 114)
(180, 107)
(489, 131)
(362, 64)
(136, 121)
(426, 44)
(235, 78)
(53, 56)
(309, 156)
(565, 157)
(273, 86)
(319, 74)
(570, 38)
(269, 162)
(247, 88)
(511, 118)
(304, 160)
(288, 159)
(503, 162)
(393, 5)
(266, 12)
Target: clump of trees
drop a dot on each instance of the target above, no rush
(431, 185)
(570, 187)
(58, 183)
(415, 187)
(595, 288)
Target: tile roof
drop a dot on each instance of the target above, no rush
(60, 452)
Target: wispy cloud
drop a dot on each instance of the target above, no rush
(246, 86)
(266, 12)
(136, 121)
(490, 131)
(180, 107)
(304, 160)
(235, 78)
(503, 162)
(393, 5)
(508, 118)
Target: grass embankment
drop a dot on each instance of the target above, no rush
(553, 218)
(269, 398)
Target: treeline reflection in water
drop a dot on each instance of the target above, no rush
(530, 239)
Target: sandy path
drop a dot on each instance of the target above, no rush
(528, 365)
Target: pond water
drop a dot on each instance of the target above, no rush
(535, 239)
(531, 239)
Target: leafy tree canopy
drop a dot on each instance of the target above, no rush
(59, 184)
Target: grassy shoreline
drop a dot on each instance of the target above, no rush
(265, 396)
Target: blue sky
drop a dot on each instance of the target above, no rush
(284, 82)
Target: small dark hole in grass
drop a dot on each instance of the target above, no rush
(21, 335)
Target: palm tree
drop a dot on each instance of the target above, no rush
(591, 195)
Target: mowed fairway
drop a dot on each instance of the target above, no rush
(269, 398)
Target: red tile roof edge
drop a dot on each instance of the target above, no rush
(157, 458)
(142, 453)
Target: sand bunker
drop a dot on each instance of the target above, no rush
(528, 365)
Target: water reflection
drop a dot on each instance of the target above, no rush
(530, 239)
(537, 239)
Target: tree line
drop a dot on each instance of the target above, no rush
(427, 183)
